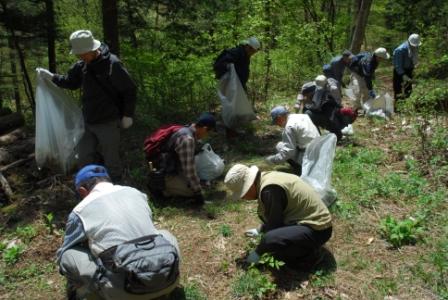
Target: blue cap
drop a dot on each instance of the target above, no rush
(278, 111)
(89, 171)
(206, 119)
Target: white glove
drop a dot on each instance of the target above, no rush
(44, 73)
(406, 78)
(251, 232)
(253, 257)
(126, 122)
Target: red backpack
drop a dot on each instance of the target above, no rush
(154, 142)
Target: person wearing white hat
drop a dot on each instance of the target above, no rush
(108, 99)
(296, 223)
(405, 58)
(298, 132)
(363, 67)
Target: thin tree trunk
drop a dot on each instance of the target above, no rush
(361, 23)
(110, 25)
(15, 81)
(51, 35)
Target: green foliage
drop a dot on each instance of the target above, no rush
(192, 292)
(225, 230)
(399, 233)
(321, 278)
(26, 233)
(48, 220)
(11, 255)
(270, 261)
(253, 284)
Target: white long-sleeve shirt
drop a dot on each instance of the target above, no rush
(299, 131)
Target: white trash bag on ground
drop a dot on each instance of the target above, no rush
(382, 106)
(317, 166)
(208, 164)
(59, 126)
(236, 109)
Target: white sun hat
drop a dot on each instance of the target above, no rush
(382, 52)
(82, 41)
(239, 179)
(414, 40)
(253, 42)
(320, 80)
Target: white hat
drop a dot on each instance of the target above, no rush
(253, 42)
(82, 41)
(320, 80)
(239, 179)
(382, 52)
(414, 40)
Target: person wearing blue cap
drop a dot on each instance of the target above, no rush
(298, 132)
(108, 220)
(177, 160)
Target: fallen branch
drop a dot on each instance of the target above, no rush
(5, 185)
(17, 163)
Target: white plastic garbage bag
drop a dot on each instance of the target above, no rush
(382, 106)
(208, 164)
(59, 126)
(348, 130)
(317, 166)
(236, 109)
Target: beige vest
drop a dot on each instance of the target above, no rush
(304, 204)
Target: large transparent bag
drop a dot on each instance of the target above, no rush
(317, 166)
(208, 164)
(236, 109)
(382, 106)
(59, 126)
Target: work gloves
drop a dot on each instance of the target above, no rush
(44, 73)
(252, 232)
(126, 122)
(372, 94)
(406, 78)
(270, 159)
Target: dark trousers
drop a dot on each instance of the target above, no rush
(293, 244)
(400, 91)
(327, 120)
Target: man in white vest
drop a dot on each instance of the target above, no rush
(108, 216)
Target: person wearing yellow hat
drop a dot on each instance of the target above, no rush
(296, 223)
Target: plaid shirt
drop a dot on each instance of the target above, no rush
(185, 148)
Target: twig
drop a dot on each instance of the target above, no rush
(17, 163)
(5, 186)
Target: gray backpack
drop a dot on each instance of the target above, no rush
(150, 263)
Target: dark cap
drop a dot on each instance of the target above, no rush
(88, 172)
(308, 87)
(206, 119)
(278, 111)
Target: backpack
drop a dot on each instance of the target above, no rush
(153, 143)
(150, 264)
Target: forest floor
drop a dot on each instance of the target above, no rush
(377, 173)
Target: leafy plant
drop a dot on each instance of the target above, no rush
(270, 261)
(253, 284)
(225, 230)
(26, 232)
(12, 254)
(400, 233)
(49, 220)
(192, 292)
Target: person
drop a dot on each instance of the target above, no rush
(240, 57)
(323, 109)
(177, 158)
(363, 67)
(108, 99)
(295, 221)
(109, 216)
(298, 132)
(335, 69)
(405, 58)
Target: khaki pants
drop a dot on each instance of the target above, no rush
(104, 139)
(177, 186)
(79, 267)
(362, 95)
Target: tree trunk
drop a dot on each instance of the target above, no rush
(110, 25)
(10, 122)
(51, 35)
(360, 27)
(15, 81)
